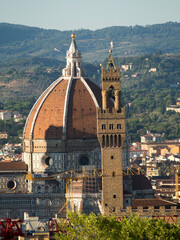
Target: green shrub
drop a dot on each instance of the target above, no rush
(97, 227)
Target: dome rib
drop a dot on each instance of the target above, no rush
(48, 91)
(66, 108)
(51, 87)
(49, 122)
(28, 122)
(90, 92)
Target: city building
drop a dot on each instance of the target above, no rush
(161, 148)
(3, 135)
(152, 70)
(152, 170)
(135, 152)
(175, 108)
(151, 137)
(5, 115)
(166, 186)
(126, 67)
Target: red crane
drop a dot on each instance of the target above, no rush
(11, 228)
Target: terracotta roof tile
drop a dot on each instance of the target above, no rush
(49, 121)
(82, 111)
(12, 165)
(151, 202)
(31, 116)
(81, 114)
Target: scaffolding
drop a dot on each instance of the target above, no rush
(89, 181)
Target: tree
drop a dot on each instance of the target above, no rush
(18, 151)
(163, 108)
(97, 227)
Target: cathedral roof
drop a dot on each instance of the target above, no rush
(66, 109)
(12, 166)
(155, 202)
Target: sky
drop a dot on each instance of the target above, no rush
(91, 14)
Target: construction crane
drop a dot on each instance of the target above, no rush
(69, 176)
(177, 182)
(10, 228)
(81, 174)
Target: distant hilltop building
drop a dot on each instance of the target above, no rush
(5, 115)
(126, 67)
(3, 135)
(152, 70)
(175, 108)
(178, 102)
(152, 137)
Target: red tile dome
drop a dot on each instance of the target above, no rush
(67, 108)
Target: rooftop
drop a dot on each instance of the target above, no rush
(6, 166)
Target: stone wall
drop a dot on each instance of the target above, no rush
(149, 212)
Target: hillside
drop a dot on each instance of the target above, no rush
(150, 83)
(24, 77)
(18, 41)
(148, 88)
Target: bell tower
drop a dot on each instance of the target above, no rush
(111, 135)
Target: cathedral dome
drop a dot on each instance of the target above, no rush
(67, 108)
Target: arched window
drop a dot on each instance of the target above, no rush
(115, 141)
(111, 141)
(107, 140)
(103, 141)
(119, 140)
(111, 92)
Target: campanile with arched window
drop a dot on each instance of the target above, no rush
(111, 135)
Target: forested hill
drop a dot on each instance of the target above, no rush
(22, 41)
(149, 84)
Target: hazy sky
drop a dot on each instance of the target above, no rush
(88, 14)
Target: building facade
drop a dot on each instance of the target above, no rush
(111, 135)
(5, 115)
